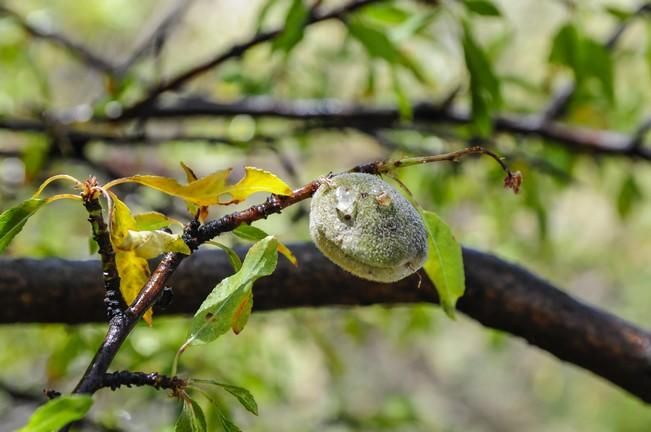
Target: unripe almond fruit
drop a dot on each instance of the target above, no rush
(367, 227)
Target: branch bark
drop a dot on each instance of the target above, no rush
(325, 114)
(499, 294)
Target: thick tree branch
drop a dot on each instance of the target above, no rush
(337, 114)
(324, 113)
(499, 295)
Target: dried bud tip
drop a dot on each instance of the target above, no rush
(89, 188)
(513, 181)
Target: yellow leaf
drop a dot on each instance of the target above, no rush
(121, 222)
(134, 274)
(150, 244)
(133, 270)
(201, 212)
(284, 250)
(211, 189)
(256, 180)
(189, 173)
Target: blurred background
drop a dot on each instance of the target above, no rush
(582, 220)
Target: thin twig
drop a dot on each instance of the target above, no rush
(113, 299)
(115, 380)
(154, 41)
(235, 51)
(78, 50)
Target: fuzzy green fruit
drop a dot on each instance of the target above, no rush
(368, 228)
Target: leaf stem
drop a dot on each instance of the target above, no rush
(62, 196)
(513, 179)
(55, 178)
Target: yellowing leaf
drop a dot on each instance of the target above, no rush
(133, 270)
(257, 180)
(201, 212)
(152, 221)
(242, 313)
(189, 173)
(121, 222)
(134, 274)
(150, 244)
(213, 189)
(225, 306)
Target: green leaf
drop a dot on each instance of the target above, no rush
(385, 13)
(57, 413)
(444, 265)
(629, 194)
(619, 13)
(192, 418)
(235, 260)
(227, 425)
(376, 42)
(294, 28)
(150, 221)
(35, 154)
(251, 233)
(565, 47)
(404, 104)
(214, 316)
(484, 86)
(482, 7)
(243, 395)
(598, 63)
(586, 58)
(13, 220)
(262, 15)
(413, 26)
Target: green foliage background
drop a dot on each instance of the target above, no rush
(582, 222)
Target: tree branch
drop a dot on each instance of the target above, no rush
(324, 113)
(113, 300)
(156, 39)
(499, 294)
(158, 381)
(336, 114)
(235, 51)
(76, 49)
